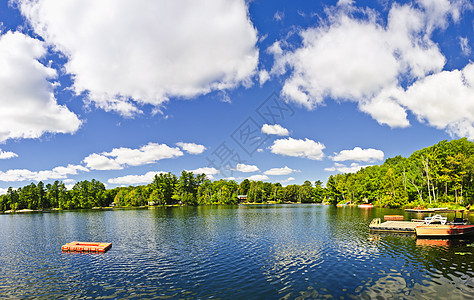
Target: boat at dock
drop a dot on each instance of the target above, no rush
(447, 230)
(369, 205)
(434, 226)
(457, 228)
(343, 204)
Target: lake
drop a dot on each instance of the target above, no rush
(228, 252)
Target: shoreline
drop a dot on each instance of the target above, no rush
(26, 211)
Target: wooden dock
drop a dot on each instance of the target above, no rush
(394, 226)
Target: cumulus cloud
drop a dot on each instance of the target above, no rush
(353, 168)
(275, 130)
(445, 100)
(27, 175)
(135, 179)
(258, 177)
(191, 148)
(289, 179)
(246, 168)
(388, 67)
(7, 154)
(206, 170)
(101, 162)
(280, 171)
(118, 158)
(359, 154)
(28, 108)
(438, 12)
(123, 53)
(3, 191)
(298, 148)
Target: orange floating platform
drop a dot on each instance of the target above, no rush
(86, 247)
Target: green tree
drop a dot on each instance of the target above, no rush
(306, 192)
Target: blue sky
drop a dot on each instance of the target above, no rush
(120, 90)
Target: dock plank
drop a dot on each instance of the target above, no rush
(395, 226)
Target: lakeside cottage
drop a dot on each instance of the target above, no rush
(242, 197)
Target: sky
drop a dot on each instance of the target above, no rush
(279, 91)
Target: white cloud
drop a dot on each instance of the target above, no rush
(359, 154)
(280, 171)
(147, 154)
(28, 108)
(191, 148)
(7, 154)
(258, 177)
(279, 16)
(124, 53)
(100, 162)
(3, 191)
(224, 97)
(118, 158)
(385, 109)
(135, 179)
(275, 130)
(259, 150)
(353, 168)
(298, 148)
(445, 101)
(288, 180)
(246, 168)
(464, 43)
(27, 175)
(344, 2)
(263, 77)
(367, 60)
(206, 170)
(438, 11)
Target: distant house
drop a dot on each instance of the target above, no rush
(242, 197)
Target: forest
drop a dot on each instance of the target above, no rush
(430, 177)
(166, 189)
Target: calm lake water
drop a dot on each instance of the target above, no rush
(228, 252)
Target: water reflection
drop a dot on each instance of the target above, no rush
(249, 252)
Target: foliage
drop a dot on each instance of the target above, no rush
(431, 176)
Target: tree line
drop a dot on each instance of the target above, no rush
(84, 194)
(165, 189)
(435, 175)
(431, 176)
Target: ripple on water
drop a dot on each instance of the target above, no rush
(289, 252)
